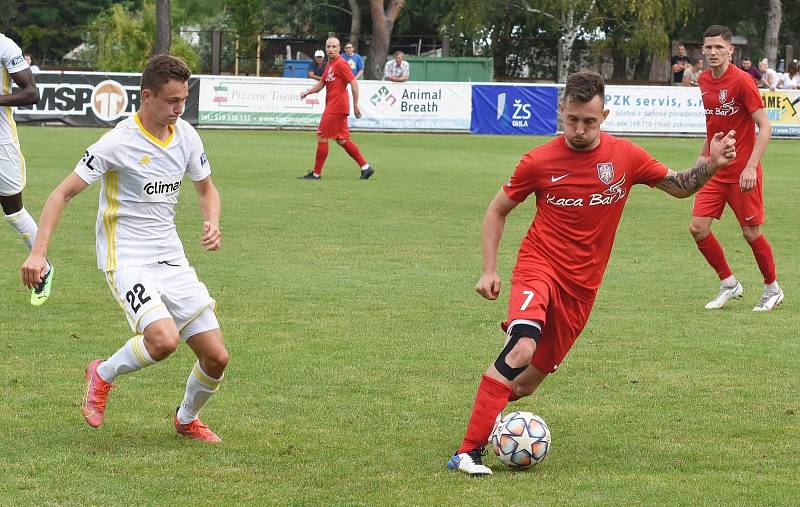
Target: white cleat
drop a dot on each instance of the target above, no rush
(469, 463)
(725, 294)
(769, 300)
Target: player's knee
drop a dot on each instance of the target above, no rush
(522, 353)
(698, 231)
(341, 142)
(518, 351)
(751, 234)
(161, 341)
(216, 362)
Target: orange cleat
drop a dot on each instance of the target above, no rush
(196, 430)
(97, 389)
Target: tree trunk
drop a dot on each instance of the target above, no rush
(620, 62)
(355, 23)
(163, 28)
(774, 16)
(382, 25)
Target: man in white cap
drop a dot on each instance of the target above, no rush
(317, 66)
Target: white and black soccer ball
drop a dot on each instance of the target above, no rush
(521, 440)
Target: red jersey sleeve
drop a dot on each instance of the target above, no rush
(646, 169)
(750, 95)
(521, 184)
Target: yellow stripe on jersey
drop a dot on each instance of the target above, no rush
(7, 109)
(22, 174)
(110, 218)
(205, 379)
(153, 138)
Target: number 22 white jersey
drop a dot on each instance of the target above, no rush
(141, 178)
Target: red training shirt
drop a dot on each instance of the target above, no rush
(337, 75)
(579, 200)
(729, 101)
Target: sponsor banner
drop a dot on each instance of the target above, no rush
(679, 110)
(258, 102)
(422, 105)
(654, 109)
(91, 99)
(783, 111)
(504, 109)
(384, 105)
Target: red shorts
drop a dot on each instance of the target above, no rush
(333, 126)
(562, 317)
(747, 206)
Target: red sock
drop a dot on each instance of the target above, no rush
(763, 254)
(492, 397)
(322, 154)
(352, 150)
(712, 251)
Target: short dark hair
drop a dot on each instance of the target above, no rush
(718, 31)
(584, 86)
(162, 68)
(695, 60)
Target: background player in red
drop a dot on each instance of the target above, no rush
(333, 125)
(732, 101)
(581, 181)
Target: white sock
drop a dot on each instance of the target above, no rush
(24, 223)
(199, 388)
(730, 281)
(773, 287)
(364, 167)
(132, 356)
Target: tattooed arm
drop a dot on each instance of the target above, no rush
(721, 150)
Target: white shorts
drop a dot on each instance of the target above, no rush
(12, 169)
(167, 290)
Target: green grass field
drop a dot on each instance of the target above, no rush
(357, 342)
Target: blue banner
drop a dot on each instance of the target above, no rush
(514, 109)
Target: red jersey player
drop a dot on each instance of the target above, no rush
(581, 181)
(732, 101)
(333, 125)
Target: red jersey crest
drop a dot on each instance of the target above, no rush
(605, 171)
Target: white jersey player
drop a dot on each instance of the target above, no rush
(13, 67)
(141, 166)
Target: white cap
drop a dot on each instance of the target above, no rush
(319, 52)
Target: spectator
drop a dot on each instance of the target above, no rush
(769, 78)
(790, 80)
(692, 72)
(317, 66)
(354, 60)
(747, 66)
(680, 62)
(29, 61)
(397, 69)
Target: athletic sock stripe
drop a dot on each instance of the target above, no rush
(204, 378)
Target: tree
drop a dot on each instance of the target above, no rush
(122, 40)
(772, 31)
(571, 16)
(163, 28)
(383, 15)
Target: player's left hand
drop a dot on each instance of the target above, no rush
(356, 111)
(747, 180)
(212, 237)
(722, 149)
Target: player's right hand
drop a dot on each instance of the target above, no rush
(488, 286)
(33, 270)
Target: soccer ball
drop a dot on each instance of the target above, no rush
(521, 440)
